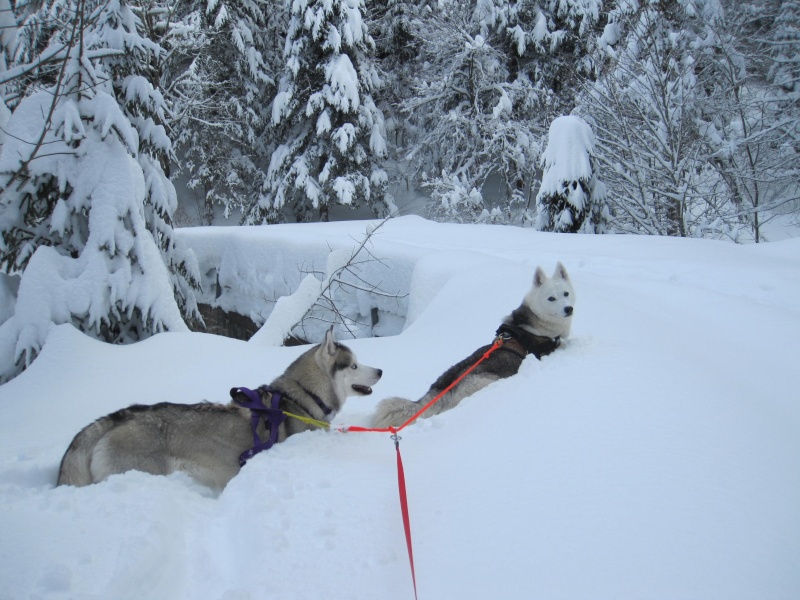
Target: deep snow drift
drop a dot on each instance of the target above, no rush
(655, 456)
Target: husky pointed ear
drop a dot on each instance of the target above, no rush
(561, 271)
(539, 277)
(329, 345)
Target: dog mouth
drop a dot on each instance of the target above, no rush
(364, 390)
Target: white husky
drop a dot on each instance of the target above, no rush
(535, 327)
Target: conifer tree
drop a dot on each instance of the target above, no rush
(330, 131)
(222, 85)
(394, 26)
(8, 34)
(79, 183)
(570, 197)
(131, 62)
(784, 50)
(784, 74)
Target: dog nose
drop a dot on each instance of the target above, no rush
(568, 310)
(380, 372)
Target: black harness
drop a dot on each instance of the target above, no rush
(538, 345)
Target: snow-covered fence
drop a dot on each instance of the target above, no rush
(247, 270)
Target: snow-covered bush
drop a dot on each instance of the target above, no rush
(453, 199)
(570, 197)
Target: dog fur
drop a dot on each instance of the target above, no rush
(535, 327)
(205, 440)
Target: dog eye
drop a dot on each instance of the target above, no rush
(566, 294)
(552, 299)
(354, 367)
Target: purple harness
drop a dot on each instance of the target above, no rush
(272, 417)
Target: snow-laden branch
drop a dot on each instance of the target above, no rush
(314, 297)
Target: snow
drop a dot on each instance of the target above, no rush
(245, 271)
(566, 158)
(9, 286)
(654, 456)
(119, 268)
(344, 137)
(342, 88)
(503, 105)
(344, 190)
(288, 311)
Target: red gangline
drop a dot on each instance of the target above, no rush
(401, 479)
(498, 342)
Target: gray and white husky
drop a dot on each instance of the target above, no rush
(208, 440)
(535, 327)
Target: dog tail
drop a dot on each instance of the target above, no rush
(393, 412)
(77, 462)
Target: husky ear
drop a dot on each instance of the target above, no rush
(561, 271)
(329, 345)
(539, 277)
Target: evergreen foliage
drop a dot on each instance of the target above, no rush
(224, 65)
(275, 110)
(85, 211)
(571, 197)
(330, 131)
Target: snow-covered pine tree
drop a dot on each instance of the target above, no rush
(222, 84)
(73, 205)
(132, 61)
(555, 42)
(466, 113)
(393, 25)
(570, 198)
(784, 51)
(330, 131)
(8, 35)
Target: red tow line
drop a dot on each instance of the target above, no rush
(401, 478)
(401, 484)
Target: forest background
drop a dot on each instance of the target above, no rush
(121, 120)
(279, 111)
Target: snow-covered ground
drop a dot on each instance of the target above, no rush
(656, 456)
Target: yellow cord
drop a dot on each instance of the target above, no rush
(308, 420)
